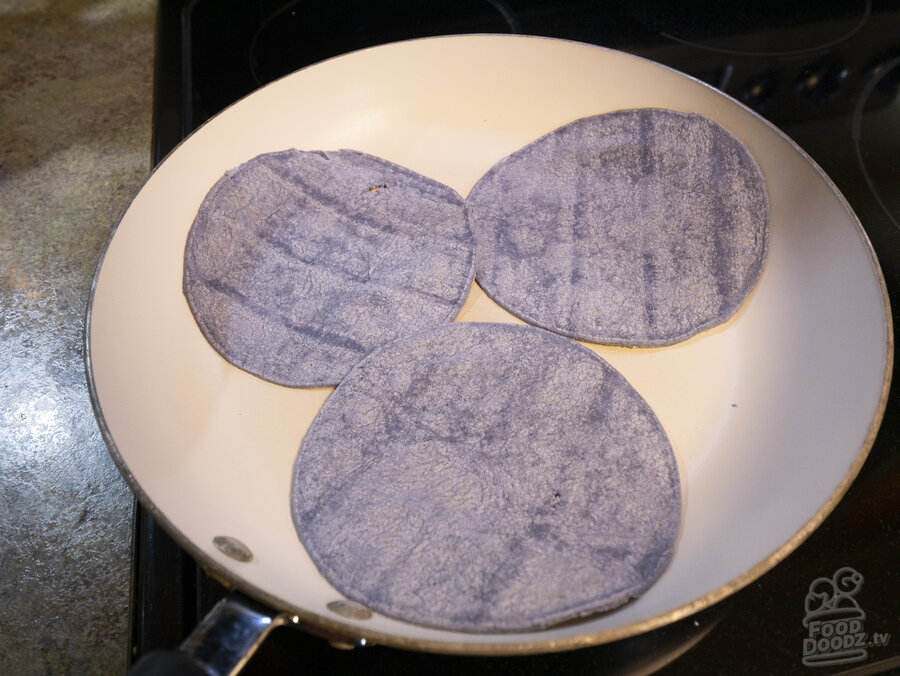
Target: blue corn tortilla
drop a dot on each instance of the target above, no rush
(298, 263)
(485, 477)
(637, 228)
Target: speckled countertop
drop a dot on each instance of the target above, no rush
(75, 116)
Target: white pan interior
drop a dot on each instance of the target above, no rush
(771, 415)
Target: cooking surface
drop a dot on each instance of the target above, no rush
(827, 77)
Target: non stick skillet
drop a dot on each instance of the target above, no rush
(771, 415)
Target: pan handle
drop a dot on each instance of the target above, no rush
(220, 645)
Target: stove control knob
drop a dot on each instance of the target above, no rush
(759, 89)
(884, 72)
(820, 81)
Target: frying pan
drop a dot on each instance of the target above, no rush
(771, 415)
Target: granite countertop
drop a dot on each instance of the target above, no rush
(75, 121)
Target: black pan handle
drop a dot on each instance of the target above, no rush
(220, 645)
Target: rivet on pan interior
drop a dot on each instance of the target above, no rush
(233, 548)
(350, 610)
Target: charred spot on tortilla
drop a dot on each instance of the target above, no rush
(298, 263)
(485, 477)
(638, 228)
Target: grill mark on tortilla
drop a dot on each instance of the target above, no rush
(339, 207)
(649, 276)
(644, 146)
(327, 337)
(723, 276)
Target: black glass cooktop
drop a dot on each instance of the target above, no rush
(828, 74)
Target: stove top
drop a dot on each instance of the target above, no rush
(827, 73)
